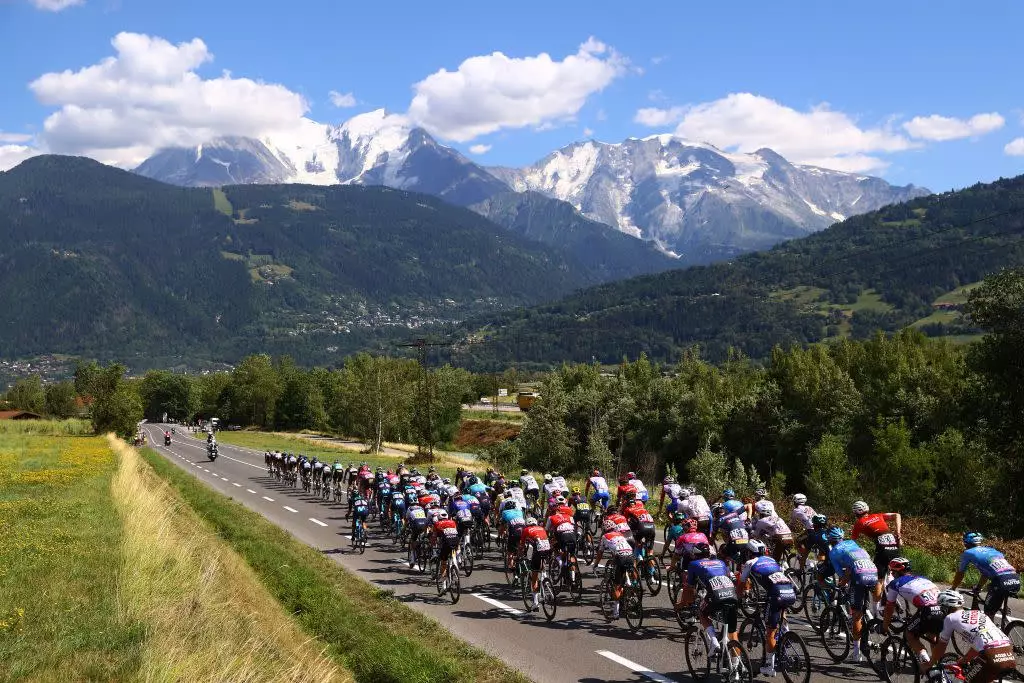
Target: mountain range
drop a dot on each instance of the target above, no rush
(691, 200)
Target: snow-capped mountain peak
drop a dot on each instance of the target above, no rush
(371, 140)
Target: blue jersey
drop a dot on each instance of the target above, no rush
(767, 572)
(817, 539)
(989, 561)
(478, 490)
(733, 505)
(515, 513)
(457, 504)
(847, 555)
(714, 575)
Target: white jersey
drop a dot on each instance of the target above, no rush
(978, 628)
(614, 543)
(696, 507)
(551, 490)
(641, 490)
(559, 482)
(672, 490)
(528, 483)
(450, 490)
(771, 526)
(516, 494)
(802, 516)
(916, 590)
(599, 484)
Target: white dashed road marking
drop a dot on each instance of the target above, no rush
(496, 603)
(290, 509)
(268, 498)
(317, 521)
(234, 484)
(634, 667)
(250, 491)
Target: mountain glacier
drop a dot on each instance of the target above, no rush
(690, 199)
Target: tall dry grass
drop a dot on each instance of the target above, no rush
(208, 617)
(70, 427)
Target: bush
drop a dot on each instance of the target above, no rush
(831, 480)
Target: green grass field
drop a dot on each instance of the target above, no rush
(221, 202)
(374, 635)
(59, 551)
(500, 416)
(958, 295)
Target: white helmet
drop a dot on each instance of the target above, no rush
(684, 493)
(950, 600)
(860, 508)
(547, 478)
(764, 508)
(799, 499)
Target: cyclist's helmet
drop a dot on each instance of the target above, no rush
(973, 538)
(509, 505)
(755, 548)
(415, 472)
(835, 534)
(315, 459)
(684, 493)
(524, 471)
(728, 494)
(760, 494)
(631, 475)
(717, 509)
(560, 500)
(608, 524)
(442, 514)
(690, 525)
(611, 510)
(700, 550)
(950, 600)
(623, 479)
(764, 508)
(576, 490)
(596, 473)
(899, 564)
(860, 508)
(446, 480)
(819, 521)
(678, 516)
(431, 469)
(472, 480)
(668, 480)
(799, 499)
(531, 521)
(547, 478)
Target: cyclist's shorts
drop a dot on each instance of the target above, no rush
(644, 533)
(727, 607)
(418, 525)
(622, 564)
(704, 526)
(859, 596)
(990, 664)
(448, 542)
(883, 554)
(775, 606)
(465, 526)
(926, 620)
(538, 558)
(567, 541)
(584, 517)
(360, 512)
(673, 506)
(1002, 587)
(604, 496)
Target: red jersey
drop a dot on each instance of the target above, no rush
(442, 524)
(535, 535)
(620, 522)
(561, 522)
(625, 489)
(639, 513)
(871, 525)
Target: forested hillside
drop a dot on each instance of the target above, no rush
(104, 263)
(883, 270)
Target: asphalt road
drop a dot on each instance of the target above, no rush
(578, 646)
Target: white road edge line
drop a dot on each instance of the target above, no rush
(317, 521)
(289, 509)
(495, 603)
(268, 498)
(634, 667)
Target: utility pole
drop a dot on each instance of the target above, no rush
(424, 416)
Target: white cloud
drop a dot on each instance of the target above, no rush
(942, 128)
(56, 5)
(492, 92)
(588, 132)
(658, 59)
(1015, 148)
(12, 155)
(656, 117)
(14, 137)
(149, 96)
(480, 149)
(745, 122)
(342, 100)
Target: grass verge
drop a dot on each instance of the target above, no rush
(374, 635)
(208, 618)
(59, 539)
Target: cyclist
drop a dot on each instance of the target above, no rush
(559, 481)
(601, 495)
(876, 527)
(514, 521)
(853, 566)
(623, 490)
(641, 490)
(641, 523)
(991, 653)
(750, 504)
(676, 528)
(922, 594)
(815, 540)
(674, 492)
(461, 512)
(516, 493)
(621, 524)
(433, 478)
(620, 557)
(534, 538)
(582, 513)
(733, 528)
(416, 523)
(993, 567)
(359, 509)
(779, 590)
(561, 528)
(732, 504)
(691, 538)
(446, 533)
(769, 525)
(529, 485)
(717, 580)
(802, 515)
(695, 506)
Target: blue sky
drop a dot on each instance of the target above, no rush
(856, 86)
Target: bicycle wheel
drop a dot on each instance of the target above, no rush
(652, 575)
(587, 549)
(835, 633)
(441, 581)
(698, 658)
(510, 569)
(633, 606)
(434, 567)
(752, 599)
(362, 541)
(871, 638)
(548, 599)
(1015, 632)
(526, 591)
(574, 579)
(898, 663)
(738, 662)
(455, 585)
(752, 636)
(792, 659)
(467, 560)
(814, 602)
